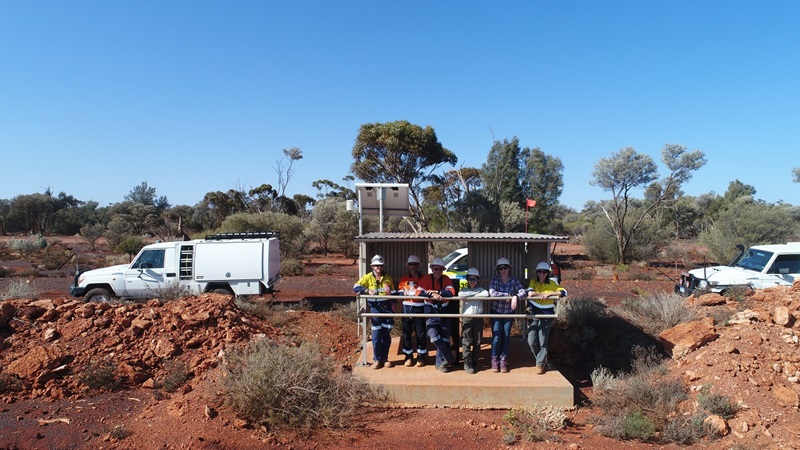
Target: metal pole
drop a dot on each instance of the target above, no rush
(380, 208)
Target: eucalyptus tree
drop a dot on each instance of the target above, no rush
(327, 189)
(628, 170)
(446, 197)
(146, 195)
(748, 222)
(400, 152)
(285, 173)
(36, 212)
(544, 175)
(502, 173)
(323, 222)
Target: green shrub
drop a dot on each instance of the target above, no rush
(99, 375)
(721, 316)
(292, 268)
(118, 229)
(19, 289)
(91, 233)
(130, 245)
(535, 424)
(637, 426)
(581, 312)
(603, 379)
(347, 311)
(56, 255)
(585, 274)
(290, 228)
(642, 276)
(637, 404)
(655, 313)
(177, 374)
(737, 293)
(24, 247)
(10, 383)
(718, 404)
(171, 291)
(303, 305)
(275, 313)
(325, 269)
(599, 242)
(291, 387)
(684, 431)
(119, 433)
(509, 438)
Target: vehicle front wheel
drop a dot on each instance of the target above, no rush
(101, 295)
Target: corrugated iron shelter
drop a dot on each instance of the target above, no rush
(523, 250)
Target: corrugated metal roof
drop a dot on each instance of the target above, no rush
(456, 236)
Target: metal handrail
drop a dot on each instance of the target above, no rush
(363, 315)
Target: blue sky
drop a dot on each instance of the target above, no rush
(198, 96)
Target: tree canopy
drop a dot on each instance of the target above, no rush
(400, 152)
(628, 170)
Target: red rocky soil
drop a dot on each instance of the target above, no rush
(45, 342)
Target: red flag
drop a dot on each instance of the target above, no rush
(530, 203)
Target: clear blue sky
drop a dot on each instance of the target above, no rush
(198, 96)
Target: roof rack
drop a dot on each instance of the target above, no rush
(243, 235)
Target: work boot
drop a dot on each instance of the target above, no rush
(420, 361)
(503, 365)
(408, 362)
(468, 366)
(377, 365)
(388, 364)
(494, 364)
(540, 370)
(443, 367)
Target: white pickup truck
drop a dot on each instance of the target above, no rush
(231, 263)
(758, 267)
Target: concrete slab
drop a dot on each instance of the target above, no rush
(427, 386)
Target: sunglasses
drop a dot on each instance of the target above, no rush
(412, 264)
(502, 268)
(542, 271)
(438, 269)
(472, 279)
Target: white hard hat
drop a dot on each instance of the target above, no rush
(503, 262)
(543, 266)
(377, 260)
(437, 262)
(413, 259)
(473, 272)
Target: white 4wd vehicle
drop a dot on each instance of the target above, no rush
(228, 263)
(759, 267)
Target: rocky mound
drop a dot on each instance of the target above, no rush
(751, 353)
(47, 345)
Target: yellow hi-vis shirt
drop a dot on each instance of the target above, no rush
(550, 287)
(369, 282)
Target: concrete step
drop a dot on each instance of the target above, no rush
(427, 386)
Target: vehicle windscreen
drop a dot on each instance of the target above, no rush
(754, 260)
(451, 256)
